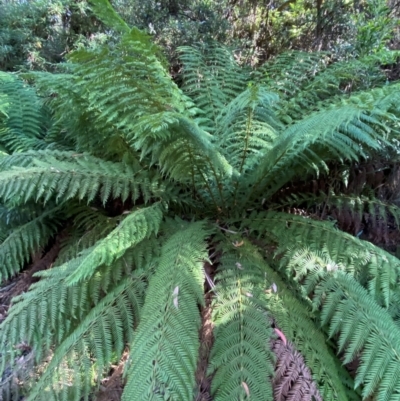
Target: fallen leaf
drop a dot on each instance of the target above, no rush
(175, 296)
(246, 388)
(281, 335)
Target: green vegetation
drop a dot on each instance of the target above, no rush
(176, 224)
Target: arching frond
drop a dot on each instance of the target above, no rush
(166, 343)
(247, 128)
(22, 125)
(138, 225)
(344, 133)
(100, 336)
(241, 361)
(375, 268)
(53, 303)
(212, 79)
(363, 328)
(21, 242)
(82, 177)
(288, 71)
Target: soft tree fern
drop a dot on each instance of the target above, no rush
(141, 184)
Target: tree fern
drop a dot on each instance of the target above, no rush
(160, 196)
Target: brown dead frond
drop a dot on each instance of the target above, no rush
(112, 386)
(293, 380)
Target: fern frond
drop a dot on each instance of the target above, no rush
(165, 346)
(89, 226)
(182, 149)
(106, 14)
(80, 177)
(34, 312)
(27, 159)
(116, 84)
(52, 303)
(336, 79)
(375, 268)
(340, 206)
(138, 225)
(294, 318)
(241, 360)
(363, 328)
(101, 335)
(22, 128)
(22, 241)
(247, 127)
(344, 133)
(212, 79)
(288, 71)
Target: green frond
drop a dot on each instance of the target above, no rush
(89, 225)
(83, 177)
(53, 303)
(373, 267)
(27, 159)
(106, 14)
(116, 84)
(340, 205)
(247, 128)
(101, 336)
(43, 306)
(344, 133)
(212, 79)
(22, 124)
(164, 351)
(183, 150)
(362, 328)
(142, 257)
(337, 78)
(241, 360)
(138, 225)
(288, 71)
(21, 242)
